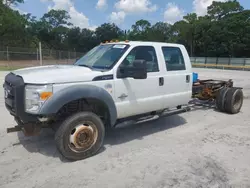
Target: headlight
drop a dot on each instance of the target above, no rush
(35, 96)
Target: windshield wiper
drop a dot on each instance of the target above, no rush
(88, 66)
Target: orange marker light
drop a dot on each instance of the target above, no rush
(45, 95)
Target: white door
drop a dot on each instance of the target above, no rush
(135, 96)
(177, 78)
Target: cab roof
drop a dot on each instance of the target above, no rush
(146, 43)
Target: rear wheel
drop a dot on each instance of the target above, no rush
(234, 101)
(220, 99)
(80, 136)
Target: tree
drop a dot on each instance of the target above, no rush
(52, 28)
(220, 9)
(11, 2)
(12, 27)
(57, 18)
(140, 30)
(186, 30)
(141, 26)
(222, 32)
(160, 32)
(107, 32)
(81, 40)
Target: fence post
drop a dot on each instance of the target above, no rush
(244, 64)
(8, 58)
(217, 59)
(68, 56)
(40, 51)
(206, 61)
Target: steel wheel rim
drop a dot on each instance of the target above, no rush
(237, 101)
(83, 136)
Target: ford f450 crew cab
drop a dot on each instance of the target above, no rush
(111, 83)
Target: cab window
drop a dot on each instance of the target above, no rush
(174, 60)
(146, 53)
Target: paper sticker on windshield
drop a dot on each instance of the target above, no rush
(119, 46)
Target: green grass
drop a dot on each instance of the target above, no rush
(2, 68)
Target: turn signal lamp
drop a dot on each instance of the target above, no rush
(45, 95)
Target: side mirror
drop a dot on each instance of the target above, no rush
(77, 59)
(138, 70)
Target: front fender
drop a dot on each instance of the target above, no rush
(64, 96)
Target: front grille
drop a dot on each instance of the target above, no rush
(9, 88)
(13, 86)
(14, 101)
(9, 96)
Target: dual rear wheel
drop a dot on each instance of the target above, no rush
(230, 100)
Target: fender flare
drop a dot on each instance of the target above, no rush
(64, 96)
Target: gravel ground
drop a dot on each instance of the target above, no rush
(200, 148)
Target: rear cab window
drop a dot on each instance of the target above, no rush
(174, 60)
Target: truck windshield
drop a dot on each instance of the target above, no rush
(103, 56)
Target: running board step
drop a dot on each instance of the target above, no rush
(174, 112)
(165, 113)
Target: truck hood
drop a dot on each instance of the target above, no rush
(56, 74)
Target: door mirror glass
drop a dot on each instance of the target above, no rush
(137, 70)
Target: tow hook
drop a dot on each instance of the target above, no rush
(27, 129)
(14, 129)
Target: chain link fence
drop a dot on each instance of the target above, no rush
(18, 57)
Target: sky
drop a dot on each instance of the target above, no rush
(92, 13)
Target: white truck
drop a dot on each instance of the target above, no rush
(111, 83)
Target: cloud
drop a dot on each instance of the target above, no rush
(77, 18)
(135, 6)
(101, 4)
(15, 7)
(19, 10)
(117, 17)
(200, 6)
(59, 4)
(173, 13)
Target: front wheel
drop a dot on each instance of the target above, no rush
(80, 136)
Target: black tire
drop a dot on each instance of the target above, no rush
(220, 99)
(234, 101)
(64, 133)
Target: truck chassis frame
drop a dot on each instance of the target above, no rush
(208, 89)
(203, 90)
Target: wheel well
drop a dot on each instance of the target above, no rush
(85, 104)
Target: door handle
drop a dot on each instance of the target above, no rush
(161, 81)
(187, 78)
(123, 96)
